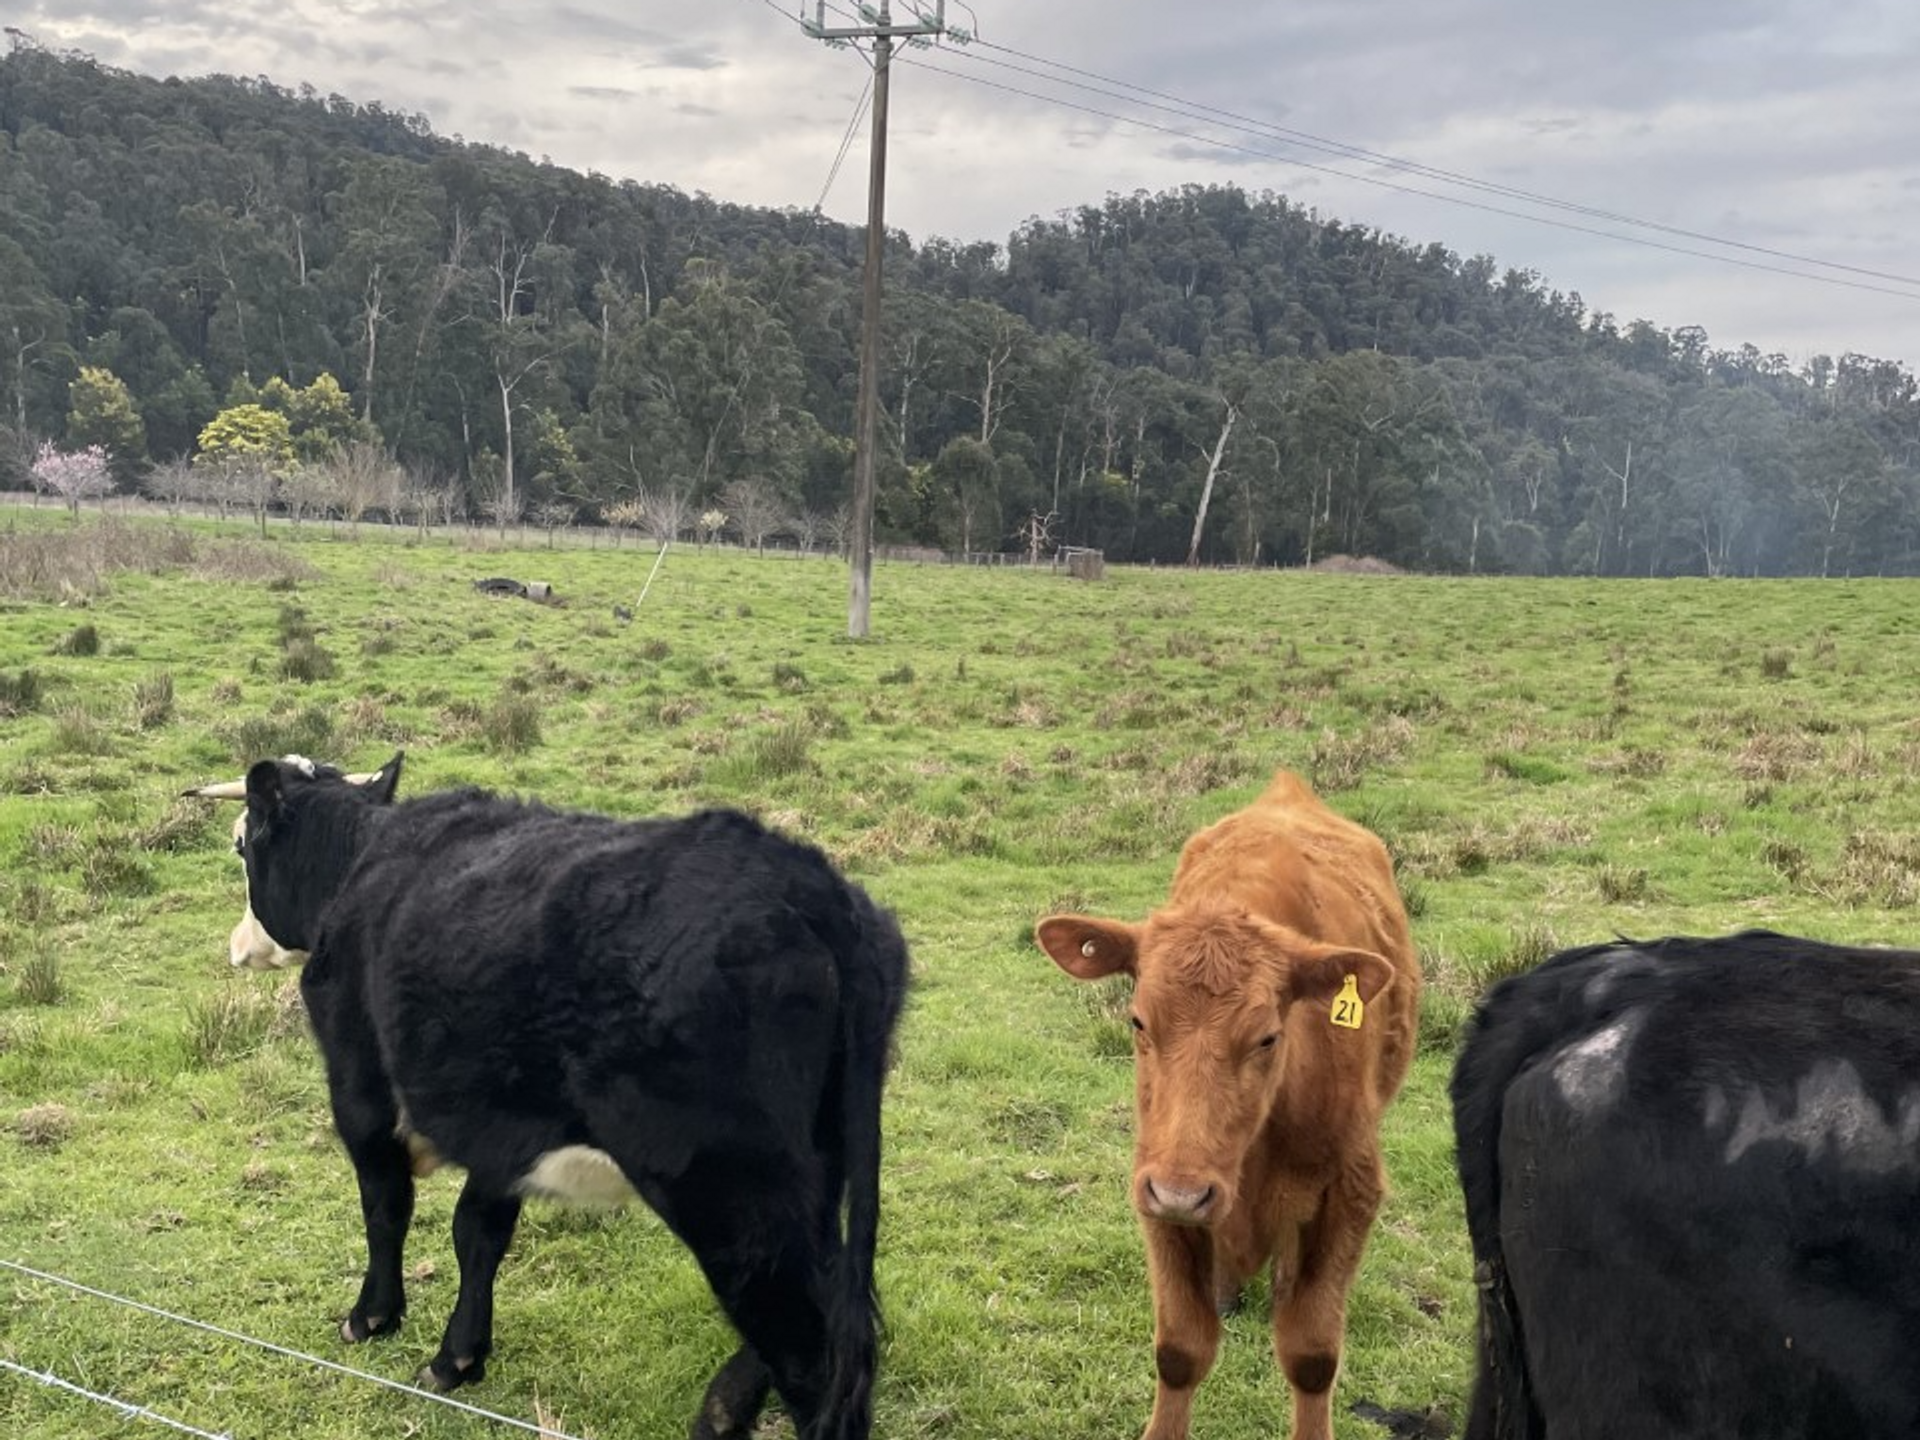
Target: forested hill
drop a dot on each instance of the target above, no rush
(1203, 368)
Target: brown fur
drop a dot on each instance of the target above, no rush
(1257, 1136)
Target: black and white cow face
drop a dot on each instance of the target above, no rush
(294, 842)
(250, 947)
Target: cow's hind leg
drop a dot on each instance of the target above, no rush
(734, 1398)
(483, 1223)
(1310, 1313)
(755, 1227)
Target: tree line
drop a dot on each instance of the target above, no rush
(266, 293)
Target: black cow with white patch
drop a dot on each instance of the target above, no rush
(1692, 1176)
(696, 1010)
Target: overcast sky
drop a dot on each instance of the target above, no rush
(1779, 124)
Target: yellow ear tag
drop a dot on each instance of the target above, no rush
(1348, 1008)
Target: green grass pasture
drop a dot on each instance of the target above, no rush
(1551, 762)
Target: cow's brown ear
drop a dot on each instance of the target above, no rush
(1089, 949)
(1320, 975)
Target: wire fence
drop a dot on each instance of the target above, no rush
(543, 1430)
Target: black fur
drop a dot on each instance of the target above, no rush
(707, 1002)
(1723, 1239)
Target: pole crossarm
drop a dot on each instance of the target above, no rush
(884, 29)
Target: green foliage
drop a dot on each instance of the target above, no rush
(320, 418)
(248, 433)
(101, 412)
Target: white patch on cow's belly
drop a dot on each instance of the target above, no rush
(1834, 1118)
(579, 1175)
(1591, 1073)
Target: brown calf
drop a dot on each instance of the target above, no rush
(1274, 1009)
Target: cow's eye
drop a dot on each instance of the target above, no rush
(1267, 1042)
(1139, 1028)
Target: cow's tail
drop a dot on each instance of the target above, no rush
(874, 979)
(1517, 1021)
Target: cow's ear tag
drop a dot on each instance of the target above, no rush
(1348, 1008)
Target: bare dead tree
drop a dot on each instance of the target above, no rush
(807, 526)
(363, 477)
(308, 490)
(1037, 534)
(838, 528)
(552, 515)
(174, 483)
(667, 514)
(754, 510)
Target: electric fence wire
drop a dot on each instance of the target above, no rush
(544, 1431)
(127, 1408)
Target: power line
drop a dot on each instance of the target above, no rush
(1379, 183)
(1127, 92)
(846, 143)
(1191, 109)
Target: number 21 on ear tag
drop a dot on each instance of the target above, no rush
(1348, 1008)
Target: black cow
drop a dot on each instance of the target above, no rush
(1692, 1175)
(697, 1010)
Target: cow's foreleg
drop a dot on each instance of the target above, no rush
(365, 1116)
(1310, 1314)
(483, 1221)
(1186, 1323)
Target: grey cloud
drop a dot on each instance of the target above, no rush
(687, 57)
(578, 23)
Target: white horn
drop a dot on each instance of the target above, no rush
(225, 790)
(364, 779)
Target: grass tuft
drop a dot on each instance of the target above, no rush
(305, 660)
(39, 981)
(44, 1127)
(511, 725)
(153, 701)
(81, 640)
(229, 1026)
(19, 693)
(306, 731)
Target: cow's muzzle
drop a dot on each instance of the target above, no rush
(1181, 1203)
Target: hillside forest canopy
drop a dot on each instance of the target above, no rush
(277, 299)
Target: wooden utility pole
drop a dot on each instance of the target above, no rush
(882, 32)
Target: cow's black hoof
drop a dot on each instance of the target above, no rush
(358, 1328)
(442, 1374)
